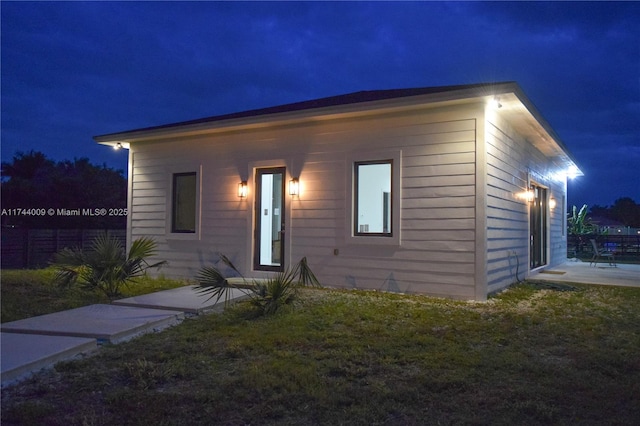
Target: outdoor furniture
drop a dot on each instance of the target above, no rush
(601, 253)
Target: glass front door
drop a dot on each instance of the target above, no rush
(269, 237)
(538, 227)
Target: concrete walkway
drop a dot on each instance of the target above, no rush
(31, 344)
(626, 275)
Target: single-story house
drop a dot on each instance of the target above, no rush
(453, 191)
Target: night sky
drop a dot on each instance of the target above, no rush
(72, 70)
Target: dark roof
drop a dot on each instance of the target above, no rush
(347, 99)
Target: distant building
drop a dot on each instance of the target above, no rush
(451, 191)
(608, 226)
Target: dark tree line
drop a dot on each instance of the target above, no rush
(38, 192)
(623, 210)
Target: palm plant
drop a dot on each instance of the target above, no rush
(305, 275)
(106, 267)
(268, 296)
(579, 225)
(578, 222)
(276, 292)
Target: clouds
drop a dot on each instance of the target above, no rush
(71, 70)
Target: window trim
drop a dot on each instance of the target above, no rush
(353, 238)
(174, 210)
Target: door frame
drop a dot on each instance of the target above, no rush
(257, 213)
(538, 241)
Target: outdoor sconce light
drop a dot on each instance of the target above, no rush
(117, 146)
(552, 203)
(531, 196)
(242, 189)
(495, 102)
(294, 187)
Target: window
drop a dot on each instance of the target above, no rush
(373, 202)
(183, 204)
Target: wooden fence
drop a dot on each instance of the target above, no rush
(34, 248)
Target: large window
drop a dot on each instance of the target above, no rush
(183, 204)
(373, 201)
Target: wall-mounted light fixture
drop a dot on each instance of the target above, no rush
(294, 187)
(552, 203)
(117, 146)
(242, 189)
(495, 102)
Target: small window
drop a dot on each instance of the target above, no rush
(373, 198)
(183, 203)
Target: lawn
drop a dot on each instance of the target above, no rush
(531, 355)
(31, 292)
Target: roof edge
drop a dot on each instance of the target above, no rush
(361, 97)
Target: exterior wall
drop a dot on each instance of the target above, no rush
(435, 251)
(512, 163)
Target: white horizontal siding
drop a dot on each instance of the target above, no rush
(436, 254)
(510, 160)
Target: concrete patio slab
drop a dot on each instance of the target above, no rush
(24, 354)
(184, 299)
(626, 275)
(106, 323)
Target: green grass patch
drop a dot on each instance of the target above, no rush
(530, 355)
(31, 292)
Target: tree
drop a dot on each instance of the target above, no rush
(27, 167)
(32, 181)
(600, 211)
(626, 211)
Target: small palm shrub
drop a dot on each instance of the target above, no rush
(267, 296)
(106, 267)
(271, 295)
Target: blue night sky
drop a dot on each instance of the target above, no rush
(72, 70)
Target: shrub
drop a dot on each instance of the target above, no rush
(106, 267)
(276, 292)
(267, 296)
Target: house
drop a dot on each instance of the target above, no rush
(606, 226)
(453, 191)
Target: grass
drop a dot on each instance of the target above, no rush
(31, 292)
(531, 355)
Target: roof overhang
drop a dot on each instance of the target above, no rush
(516, 108)
(524, 117)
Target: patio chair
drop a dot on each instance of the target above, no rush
(601, 253)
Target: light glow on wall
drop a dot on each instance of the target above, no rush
(526, 195)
